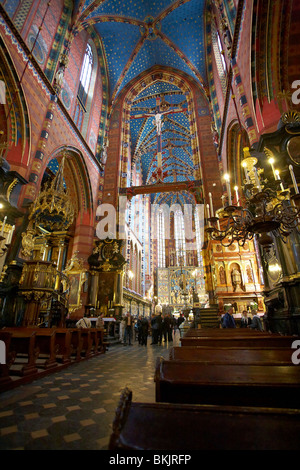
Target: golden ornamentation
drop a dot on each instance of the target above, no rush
(11, 187)
(28, 241)
(76, 273)
(53, 209)
(290, 117)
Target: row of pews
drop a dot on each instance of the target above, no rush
(223, 389)
(31, 351)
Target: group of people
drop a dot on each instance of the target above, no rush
(228, 321)
(85, 322)
(160, 327)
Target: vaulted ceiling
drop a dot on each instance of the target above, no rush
(136, 36)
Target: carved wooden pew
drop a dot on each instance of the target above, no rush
(102, 345)
(277, 356)
(94, 341)
(46, 342)
(9, 357)
(76, 343)
(87, 343)
(213, 332)
(230, 384)
(202, 427)
(271, 341)
(63, 339)
(23, 345)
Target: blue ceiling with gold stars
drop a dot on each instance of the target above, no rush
(138, 34)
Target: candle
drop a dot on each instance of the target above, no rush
(7, 242)
(208, 214)
(278, 178)
(271, 161)
(294, 179)
(244, 165)
(223, 200)
(256, 179)
(3, 225)
(211, 204)
(237, 195)
(228, 189)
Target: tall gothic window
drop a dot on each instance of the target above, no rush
(179, 238)
(220, 47)
(219, 56)
(84, 84)
(161, 239)
(86, 73)
(198, 238)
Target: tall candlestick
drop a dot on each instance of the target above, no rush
(271, 161)
(237, 195)
(246, 173)
(294, 179)
(208, 214)
(228, 189)
(3, 225)
(7, 242)
(211, 204)
(278, 178)
(257, 179)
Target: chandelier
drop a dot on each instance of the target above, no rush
(53, 209)
(265, 209)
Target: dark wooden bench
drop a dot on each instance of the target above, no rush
(102, 345)
(230, 384)
(94, 341)
(174, 427)
(9, 357)
(23, 345)
(63, 343)
(223, 332)
(76, 343)
(48, 347)
(240, 342)
(277, 356)
(87, 343)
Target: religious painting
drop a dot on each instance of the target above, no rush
(77, 276)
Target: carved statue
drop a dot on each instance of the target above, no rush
(236, 279)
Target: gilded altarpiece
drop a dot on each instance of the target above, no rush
(170, 282)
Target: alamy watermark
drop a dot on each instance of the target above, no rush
(113, 223)
(2, 92)
(296, 355)
(296, 94)
(2, 352)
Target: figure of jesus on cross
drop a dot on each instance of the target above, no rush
(158, 116)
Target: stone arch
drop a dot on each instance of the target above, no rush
(14, 114)
(117, 165)
(237, 139)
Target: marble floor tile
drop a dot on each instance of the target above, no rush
(74, 408)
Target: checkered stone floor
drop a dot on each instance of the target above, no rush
(75, 408)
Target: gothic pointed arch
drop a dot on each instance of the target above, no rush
(14, 115)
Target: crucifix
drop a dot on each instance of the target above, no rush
(158, 117)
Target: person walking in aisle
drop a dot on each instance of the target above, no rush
(128, 329)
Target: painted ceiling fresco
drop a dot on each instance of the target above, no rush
(137, 35)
